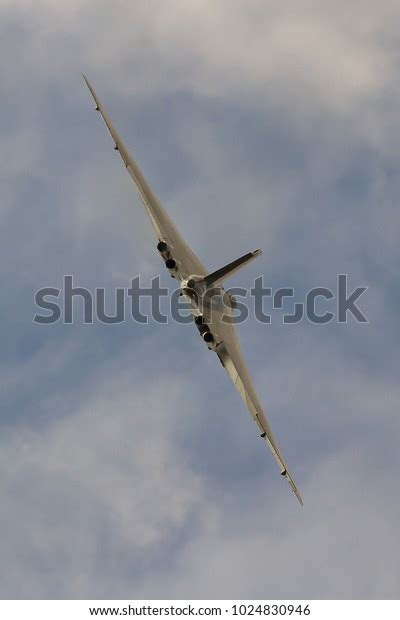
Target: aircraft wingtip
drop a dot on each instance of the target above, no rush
(297, 494)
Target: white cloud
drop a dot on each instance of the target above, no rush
(108, 465)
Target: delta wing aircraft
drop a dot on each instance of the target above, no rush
(204, 291)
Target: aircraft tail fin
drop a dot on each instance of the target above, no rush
(216, 277)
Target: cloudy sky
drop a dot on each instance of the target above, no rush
(129, 466)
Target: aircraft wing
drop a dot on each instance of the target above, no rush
(232, 359)
(187, 262)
